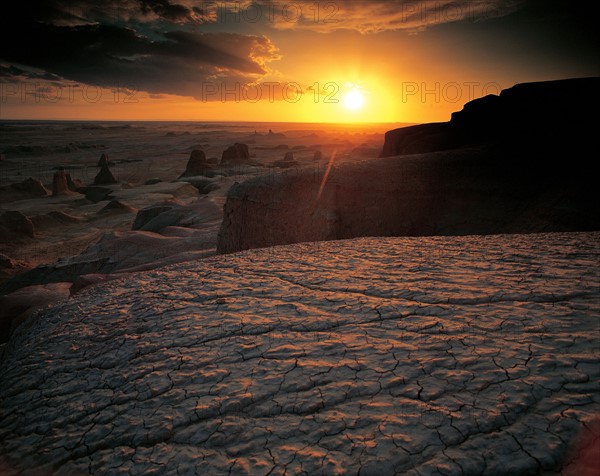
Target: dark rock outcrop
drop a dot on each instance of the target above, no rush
(236, 154)
(535, 115)
(516, 179)
(103, 161)
(104, 177)
(197, 164)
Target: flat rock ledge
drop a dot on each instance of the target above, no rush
(443, 355)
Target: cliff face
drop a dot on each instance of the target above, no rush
(467, 176)
(466, 191)
(544, 114)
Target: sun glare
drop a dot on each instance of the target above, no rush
(354, 100)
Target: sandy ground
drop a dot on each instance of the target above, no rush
(140, 152)
(448, 355)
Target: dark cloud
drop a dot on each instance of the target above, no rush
(172, 12)
(67, 43)
(9, 72)
(76, 12)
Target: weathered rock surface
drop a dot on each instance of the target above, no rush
(236, 154)
(459, 355)
(546, 116)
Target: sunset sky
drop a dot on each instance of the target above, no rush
(304, 61)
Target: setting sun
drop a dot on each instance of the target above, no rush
(354, 100)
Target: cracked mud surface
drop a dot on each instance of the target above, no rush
(462, 355)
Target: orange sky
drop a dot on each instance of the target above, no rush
(405, 61)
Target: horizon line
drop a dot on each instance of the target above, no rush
(206, 121)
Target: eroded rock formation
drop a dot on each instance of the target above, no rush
(236, 154)
(540, 116)
(197, 164)
(104, 177)
(60, 185)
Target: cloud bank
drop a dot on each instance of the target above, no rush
(176, 47)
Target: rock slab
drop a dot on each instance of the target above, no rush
(465, 355)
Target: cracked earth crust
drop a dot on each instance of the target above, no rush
(444, 355)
